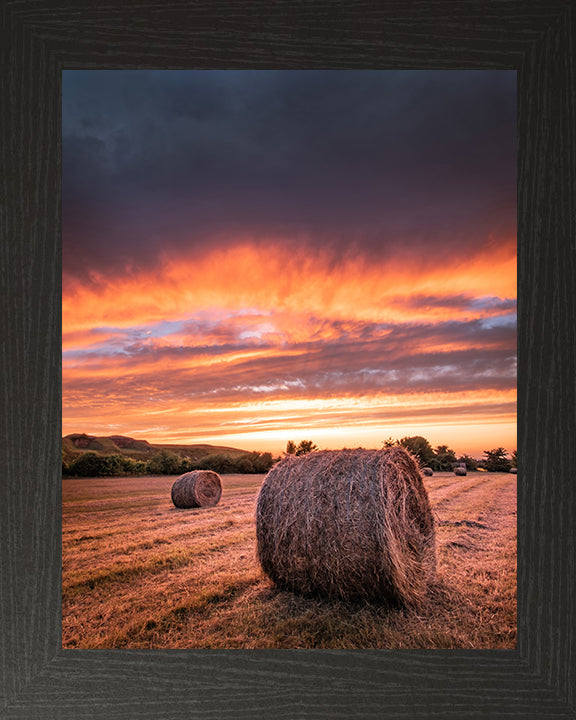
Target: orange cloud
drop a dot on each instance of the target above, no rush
(252, 276)
(257, 342)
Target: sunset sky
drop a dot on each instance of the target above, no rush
(252, 257)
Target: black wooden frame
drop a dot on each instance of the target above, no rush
(40, 38)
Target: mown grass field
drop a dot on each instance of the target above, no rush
(139, 573)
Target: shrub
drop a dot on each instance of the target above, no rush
(165, 463)
(444, 458)
(90, 464)
(262, 462)
(139, 467)
(497, 461)
(245, 465)
(218, 463)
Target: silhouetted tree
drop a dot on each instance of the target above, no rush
(262, 462)
(420, 447)
(390, 442)
(305, 447)
(444, 458)
(497, 461)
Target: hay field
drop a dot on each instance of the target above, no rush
(139, 573)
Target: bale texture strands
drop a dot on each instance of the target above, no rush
(350, 524)
(460, 470)
(199, 488)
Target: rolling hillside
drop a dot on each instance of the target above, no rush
(77, 443)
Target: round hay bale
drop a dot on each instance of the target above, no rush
(348, 524)
(514, 471)
(199, 488)
(427, 471)
(460, 470)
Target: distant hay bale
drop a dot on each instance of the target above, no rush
(514, 471)
(427, 471)
(199, 488)
(347, 524)
(459, 470)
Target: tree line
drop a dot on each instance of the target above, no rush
(441, 458)
(91, 464)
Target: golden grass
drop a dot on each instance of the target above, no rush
(140, 573)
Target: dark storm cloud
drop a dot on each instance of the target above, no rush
(176, 161)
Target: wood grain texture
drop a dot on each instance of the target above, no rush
(38, 679)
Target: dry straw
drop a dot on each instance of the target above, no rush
(199, 488)
(347, 524)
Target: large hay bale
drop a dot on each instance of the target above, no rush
(427, 471)
(347, 524)
(514, 471)
(459, 470)
(199, 488)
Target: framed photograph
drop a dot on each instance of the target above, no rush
(267, 81)
(295, 291)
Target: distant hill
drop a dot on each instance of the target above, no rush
(77, 443)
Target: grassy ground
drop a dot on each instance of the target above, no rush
(139, 573)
